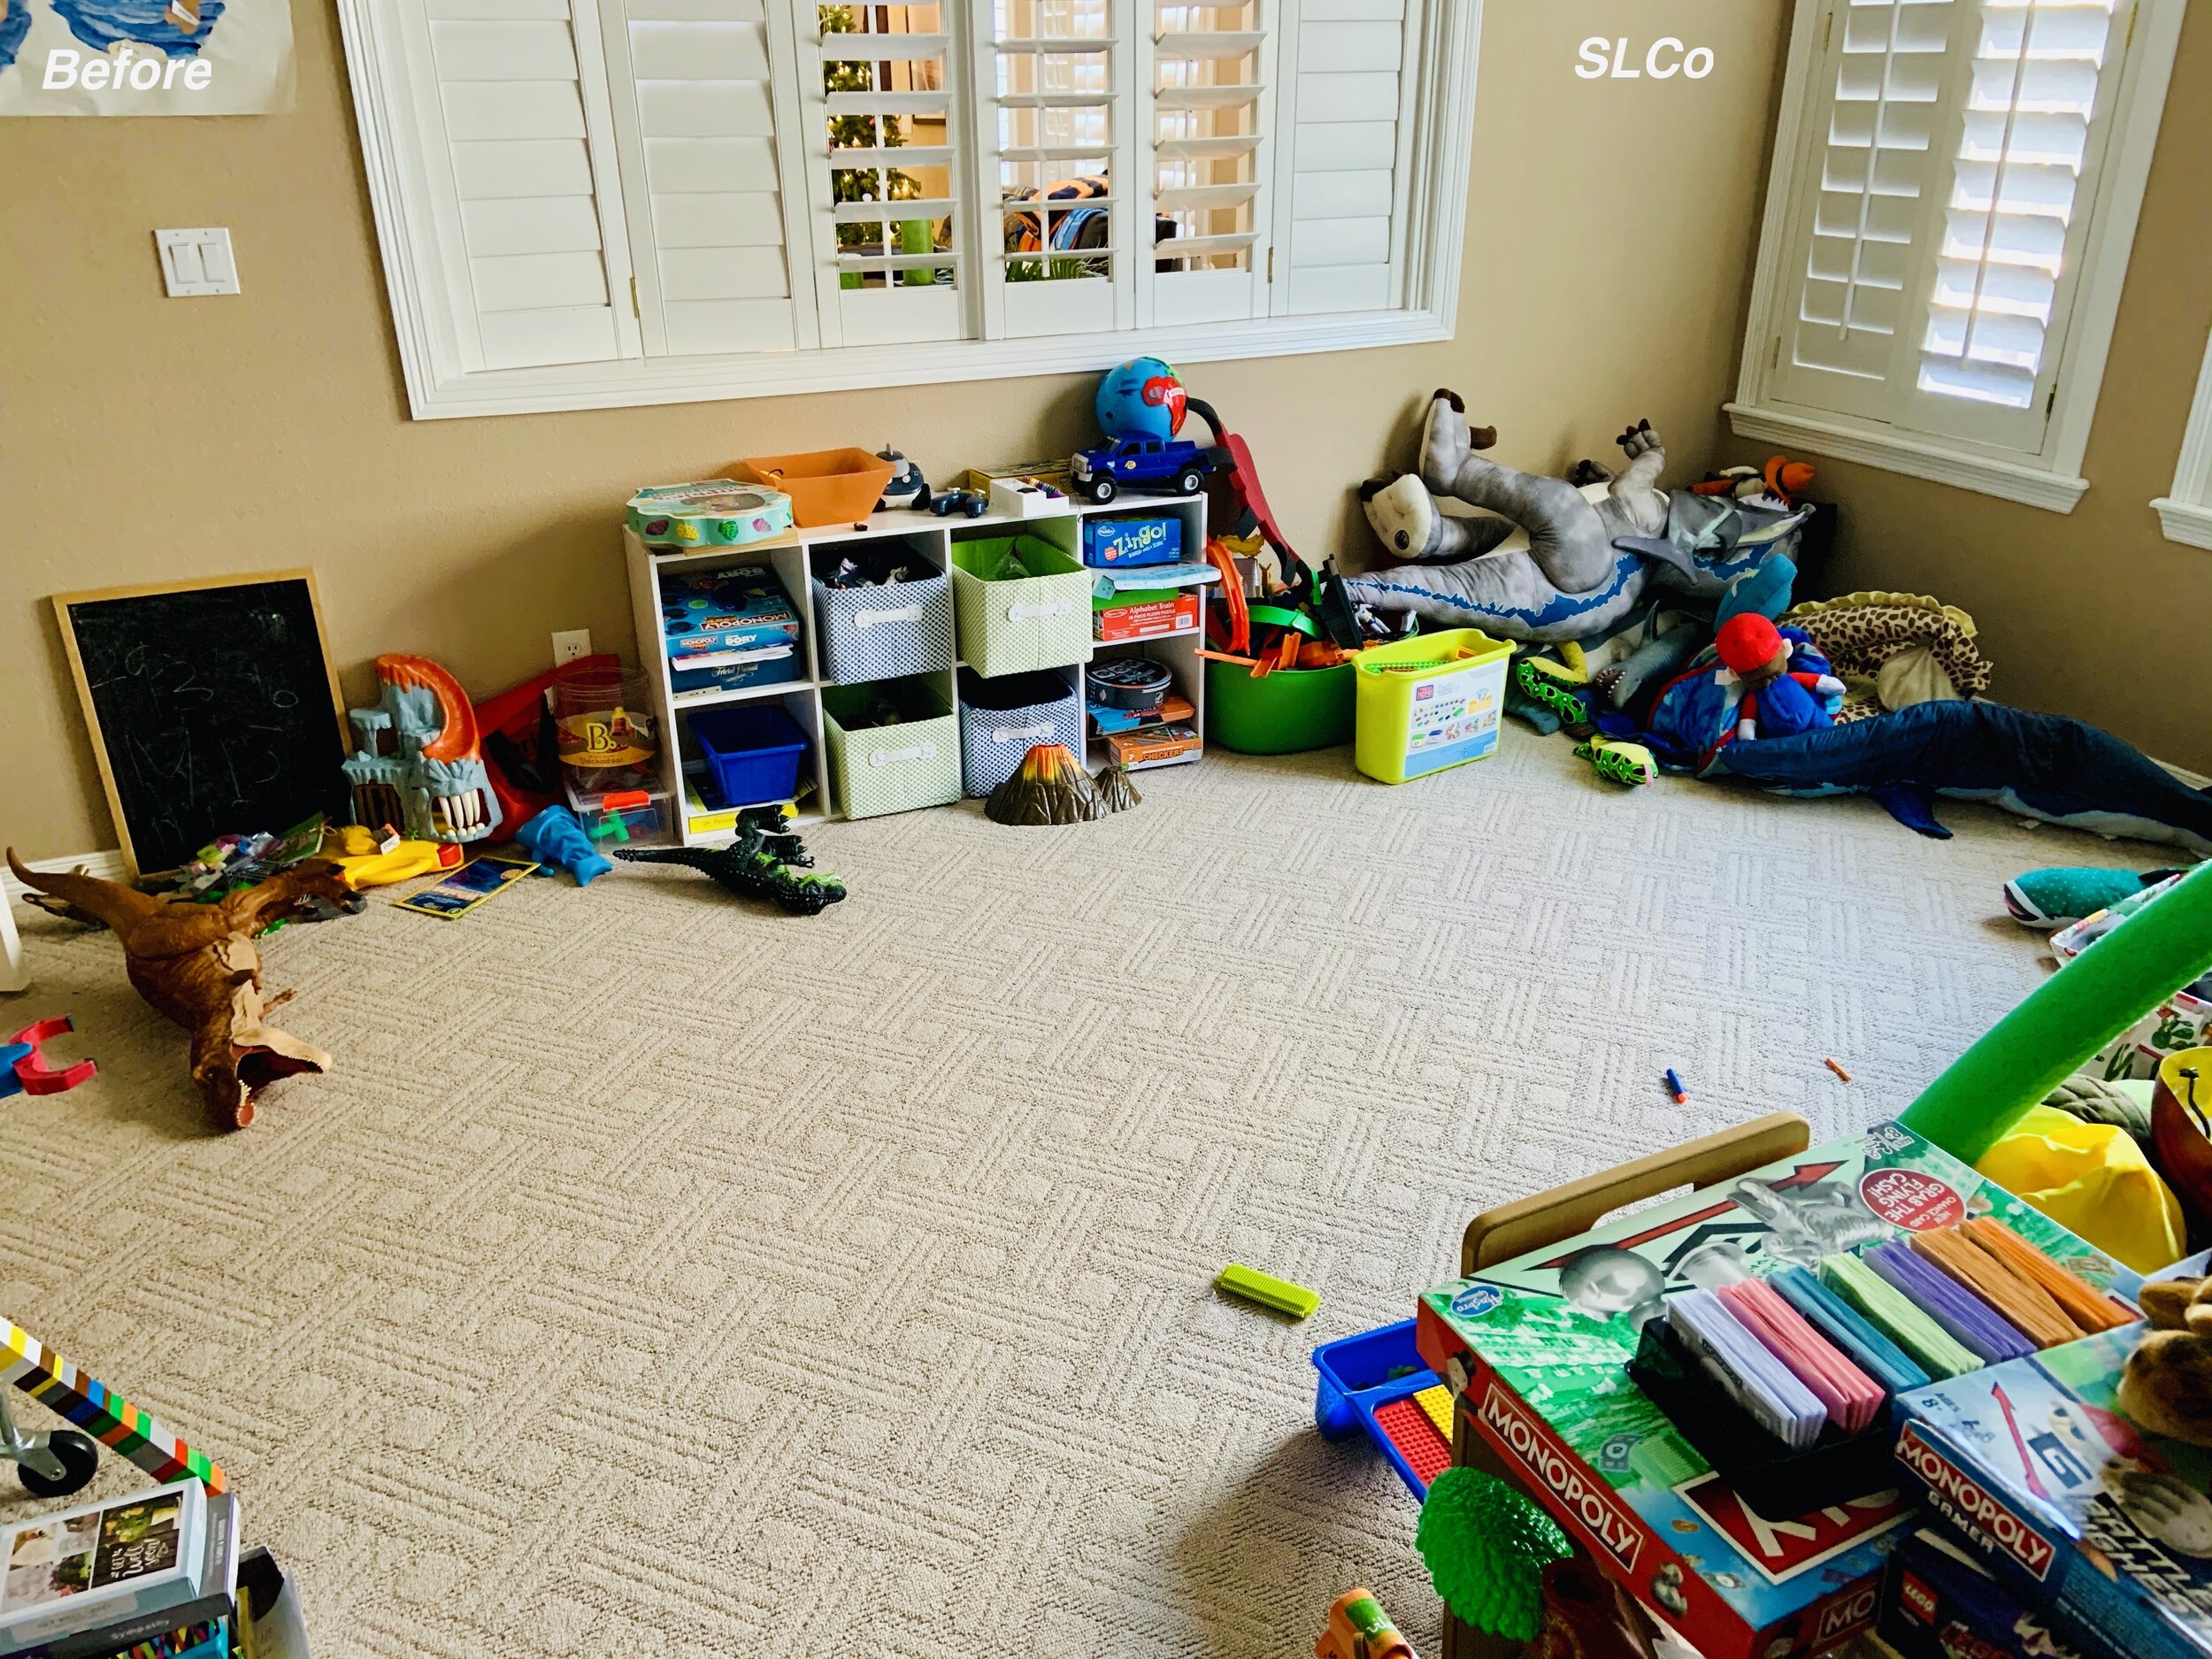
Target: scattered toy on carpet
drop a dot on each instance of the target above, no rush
(1251, 1284)
(196, 965)
(371, 860)
(231, 862)
(555, 836)
(766, 860)
(2062, 894)
(1359, 1629)
(1619, 761)
(1050, 787)
(432, 782)
(23, 1068)
(1781, 694)
(1486, 1544)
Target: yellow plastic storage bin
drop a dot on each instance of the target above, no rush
(1429, 702)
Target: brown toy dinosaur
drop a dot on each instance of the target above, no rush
(196, 965)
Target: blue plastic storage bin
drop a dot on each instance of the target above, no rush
(752, 750)
(1355, 1379)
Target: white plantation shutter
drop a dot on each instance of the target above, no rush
(2015, 217)
(1867, 209)
(1942, 210)
(508, 121)
(1349, 139)
(1051, 115)
(1212, 72)
(880, 108)
(700, 115)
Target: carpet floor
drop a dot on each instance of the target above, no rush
(655, 1274)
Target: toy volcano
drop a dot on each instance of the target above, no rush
(1052, 787)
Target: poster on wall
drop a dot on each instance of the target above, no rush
(145, 57)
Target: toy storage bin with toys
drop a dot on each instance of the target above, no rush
(894, 746)
(1003, 720)
(1285, 712)
(882, 610)
(1021, 604)
(1429, 702)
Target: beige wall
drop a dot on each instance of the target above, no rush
(148, 439)
(2094, 614)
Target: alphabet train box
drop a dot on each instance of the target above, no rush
(1535, 1349)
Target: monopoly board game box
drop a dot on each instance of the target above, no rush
(2105, 1525)
(1536, 1347)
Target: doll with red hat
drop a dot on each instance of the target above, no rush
(1778, 700)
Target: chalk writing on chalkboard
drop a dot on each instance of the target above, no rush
(213, 708)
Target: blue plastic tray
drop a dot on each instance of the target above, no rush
(1355, 1379)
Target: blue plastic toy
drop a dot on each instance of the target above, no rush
(1143, 398)
(556, 836)
(1380, 1371)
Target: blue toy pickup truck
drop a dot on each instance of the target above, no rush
(1152, 466)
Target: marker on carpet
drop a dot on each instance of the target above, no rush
(1674, 1088)
(1838, 1070)
(1270, 1291)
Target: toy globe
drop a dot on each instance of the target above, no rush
(1143, 398)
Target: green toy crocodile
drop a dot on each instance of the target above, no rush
(763, 862)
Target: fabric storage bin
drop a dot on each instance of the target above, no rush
(1002, 720)
(884, 632)
(1010, 623)
(913, 762)
(752, 751)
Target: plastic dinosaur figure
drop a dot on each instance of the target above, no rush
(763, 862)
(197, 965)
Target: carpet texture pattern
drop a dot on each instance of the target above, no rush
(654, 1273)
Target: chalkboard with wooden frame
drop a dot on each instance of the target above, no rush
(213, 706)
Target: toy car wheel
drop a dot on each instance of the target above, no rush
(1100, 489)
(1188, 481)
(80, 1455)
(942, 505)
(975, 506)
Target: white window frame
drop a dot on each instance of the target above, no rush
(2051, 477)
(2186, 514)
(439, 385)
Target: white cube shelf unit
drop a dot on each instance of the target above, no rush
(932, 539)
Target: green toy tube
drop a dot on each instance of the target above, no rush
(2070, 1016)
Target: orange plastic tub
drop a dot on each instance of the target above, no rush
(826, 486)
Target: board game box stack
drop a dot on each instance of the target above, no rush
(2070, 1504)
(1609, 1374)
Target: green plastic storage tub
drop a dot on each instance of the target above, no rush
(1283, 713)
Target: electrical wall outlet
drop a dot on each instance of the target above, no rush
(568, 646)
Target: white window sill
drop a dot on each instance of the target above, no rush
(1918, 458)
(631, 382)
(2185, 521)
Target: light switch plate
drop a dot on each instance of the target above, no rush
(196, 262)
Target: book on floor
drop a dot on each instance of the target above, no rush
(200, 1610)
(102, 1563)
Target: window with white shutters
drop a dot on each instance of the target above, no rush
(1056, 221)
(1212, 101)
(585, 203)
(699, 133)
(1948, 222)
(506, 144)
(1350, 138)
(2006, 245)
(884, 150)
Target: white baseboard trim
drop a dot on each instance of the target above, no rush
(108, 865)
